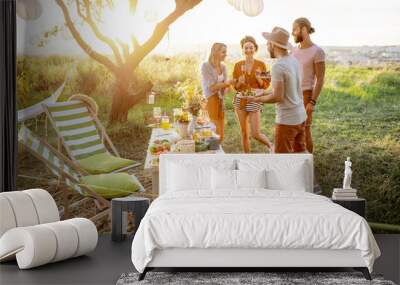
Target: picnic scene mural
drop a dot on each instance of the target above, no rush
(105, 87)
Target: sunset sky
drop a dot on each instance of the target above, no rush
(337, 23)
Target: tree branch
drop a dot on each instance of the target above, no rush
(78, 9)
(82, 43)
(92, 24)
(124, 47)
(181, 7)
(135, 43)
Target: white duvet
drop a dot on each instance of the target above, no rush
(253, 218)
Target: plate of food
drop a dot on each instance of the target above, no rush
(200, 121)
(155, 161)
(245, 94)
(201, 146)
(265, 75)
(153, 125)
(258, 92)
(160, 146)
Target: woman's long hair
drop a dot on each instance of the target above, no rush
(216, 47)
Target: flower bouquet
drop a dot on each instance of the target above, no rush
(192, 100)
(183, 119)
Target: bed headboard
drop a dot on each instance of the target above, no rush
(214, 159)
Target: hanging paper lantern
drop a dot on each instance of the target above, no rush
(238, 4)
(29, 9)
(250, 8)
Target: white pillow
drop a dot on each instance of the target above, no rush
(284, 174)
(223, 179)
(251, 178)
(182, 177)
(292, 177)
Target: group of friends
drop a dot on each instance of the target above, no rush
(296, 79)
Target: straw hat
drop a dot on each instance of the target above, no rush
(279, 37)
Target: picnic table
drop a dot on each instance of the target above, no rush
(160, 134)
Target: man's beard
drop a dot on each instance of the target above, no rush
(298, 39)
(271, 53)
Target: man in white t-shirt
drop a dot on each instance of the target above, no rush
(286, 93)
(312, 61)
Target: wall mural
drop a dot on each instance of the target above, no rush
(104, 87)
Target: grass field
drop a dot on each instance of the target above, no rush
(358, 115)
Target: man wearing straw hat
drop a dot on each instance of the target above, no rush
(286, 93)
(312, 61)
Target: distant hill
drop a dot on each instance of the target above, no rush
(351, 55)
(360, 55)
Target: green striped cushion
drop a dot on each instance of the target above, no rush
(77, 127)
(58, 167)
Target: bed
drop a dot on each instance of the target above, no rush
(241, 210)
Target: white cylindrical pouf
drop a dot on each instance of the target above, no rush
(23, 208)
(67, 240)
(37, 245)
(45, 205)
(87, 234)
(7, 218)
(34, 246)
(40, 247)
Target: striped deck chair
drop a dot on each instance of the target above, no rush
(99, 187)
(84, 138)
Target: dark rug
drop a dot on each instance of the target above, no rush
(243, 278)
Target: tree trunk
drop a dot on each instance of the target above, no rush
(124, 95)
(124, 98)
(119, 110)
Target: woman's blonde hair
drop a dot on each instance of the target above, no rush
(216, 47)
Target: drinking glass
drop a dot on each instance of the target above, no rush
(176, 112)
(165, 122)
(157, 114)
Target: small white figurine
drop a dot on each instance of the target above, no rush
(347, 174)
